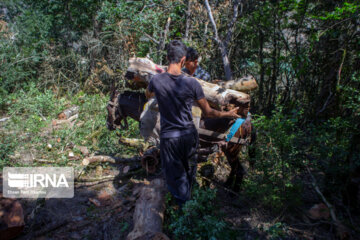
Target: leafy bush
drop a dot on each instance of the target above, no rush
(23, 48)
(198, 219)
(277, 160)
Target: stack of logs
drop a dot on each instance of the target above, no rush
(221, 96)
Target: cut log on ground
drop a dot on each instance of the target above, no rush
(245, 84)
(57, 124)
(133, 142)
(141, 70)
(67, 113)
(150, 159)
(149, 212)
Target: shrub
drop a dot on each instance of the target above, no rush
(198, 219)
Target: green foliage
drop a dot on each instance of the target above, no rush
(277, 160)
(22, 49)
(303, 54)
(351, 95)
(198, 219)
(347, 10)
(277, 231)
(7, 147)
(136, 20)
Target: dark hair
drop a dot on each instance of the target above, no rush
(176, 50)
(191, 54)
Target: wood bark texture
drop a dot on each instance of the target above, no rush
(141, 70)
(67, 113)
(149, 212)
(222, 45)
(245, 84)
(102, 159)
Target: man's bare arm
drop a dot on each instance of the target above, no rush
(212, 113)
(149, 94)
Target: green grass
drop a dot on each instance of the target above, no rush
(28, 130)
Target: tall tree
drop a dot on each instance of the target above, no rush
(223, 44)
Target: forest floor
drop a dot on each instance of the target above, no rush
(103, 209)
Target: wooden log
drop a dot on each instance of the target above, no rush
(245, 84)
(4, 119)
(67, 113)
(141, 70)
(149, 212)
(221, 98)
(133, 142)
(102, 159)
(56, 124)
(150, 159)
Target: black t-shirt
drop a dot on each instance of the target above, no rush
(175, 95)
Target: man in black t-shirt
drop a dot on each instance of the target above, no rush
(175, 94)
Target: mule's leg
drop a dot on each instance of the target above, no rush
(230, 180)
(239, 175)
(236, 174)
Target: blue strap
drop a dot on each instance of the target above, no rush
(234, 128)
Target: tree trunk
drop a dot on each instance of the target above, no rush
(188, 20)
(262, 69)
(162, 41)
(225, 58)
(141, 70)
(222, 45)
(149, 212)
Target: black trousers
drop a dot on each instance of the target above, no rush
(178, 158)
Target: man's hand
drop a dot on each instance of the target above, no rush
(212, 113)
(232, 113)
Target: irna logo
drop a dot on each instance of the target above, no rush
(38, 182)
(21, 180)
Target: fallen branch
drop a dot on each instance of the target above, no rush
(219, 185)
(70, 122)
(110, 177)
(340, 228)
(95, 181)
(109, 159)
(4, 119)
(50, 227)
(44, 161)
(67, 113)
(89, 184)
(133, 142)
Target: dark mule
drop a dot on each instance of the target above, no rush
(131, 104)
(231, 150)
(123, 105)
